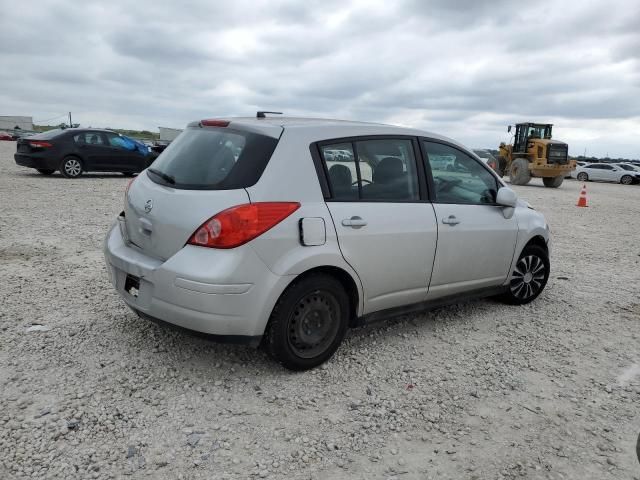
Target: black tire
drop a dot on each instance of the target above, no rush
(626, 180)
(528, 280)
(520, 174)
(552, 182)
(128, 174)
(45, 171)
(290, 339)
(71, 167)
(583, 177)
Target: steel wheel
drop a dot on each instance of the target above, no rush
(72, 167)
(313, 325)
(528, 277)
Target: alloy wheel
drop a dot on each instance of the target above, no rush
(528, 277)
(72, 167)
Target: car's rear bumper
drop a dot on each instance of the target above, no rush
(32, 161)
(218, 292)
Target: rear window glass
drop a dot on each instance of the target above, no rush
(49, 134)
(213, 159)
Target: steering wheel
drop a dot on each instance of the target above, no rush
(363, 180)
(445, 184)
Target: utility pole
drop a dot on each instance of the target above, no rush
(70, 124)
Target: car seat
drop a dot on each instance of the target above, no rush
(341, 181)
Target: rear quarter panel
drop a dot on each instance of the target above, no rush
(290, 176)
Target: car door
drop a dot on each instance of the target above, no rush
(120, 154)
(476, 243)
(598, 173)
(386, 229)
(91, 147)
(614, 174)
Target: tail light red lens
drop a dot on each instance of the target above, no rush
(240, 224)
(214, 123)
(39, 144)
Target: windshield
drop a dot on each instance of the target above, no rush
(213, 159)
(539, 131)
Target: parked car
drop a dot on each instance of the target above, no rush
(605, 172)
(5, 136)
(77, 150)
(287, 247)
(487, 157)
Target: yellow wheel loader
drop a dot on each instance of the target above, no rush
(534, 154)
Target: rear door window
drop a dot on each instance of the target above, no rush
(372, 170)
(213, 159)
(89, 138)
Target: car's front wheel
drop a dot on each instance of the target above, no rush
(46, 171)
(529, 276)
(583, 177)
(308, 322)
(71, 167)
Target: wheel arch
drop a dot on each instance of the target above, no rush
(539, 241)
(346, 279)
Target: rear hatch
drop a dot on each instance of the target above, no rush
(204, 171)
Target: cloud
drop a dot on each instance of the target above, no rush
(465, 69)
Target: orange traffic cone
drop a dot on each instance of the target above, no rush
(582, 199)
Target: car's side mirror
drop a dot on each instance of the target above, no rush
(507, 198)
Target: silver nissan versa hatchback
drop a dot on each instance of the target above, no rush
(254, 230)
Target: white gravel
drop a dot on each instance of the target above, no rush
(481, 390)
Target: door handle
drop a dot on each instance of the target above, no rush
(354, 222)
(451, 220)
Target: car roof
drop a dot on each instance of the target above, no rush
(325, 127)
(80, 130)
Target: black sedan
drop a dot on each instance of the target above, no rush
(77, 150)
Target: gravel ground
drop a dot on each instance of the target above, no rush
(473, 391)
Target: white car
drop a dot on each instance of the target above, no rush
(605, 172)
(286, 246)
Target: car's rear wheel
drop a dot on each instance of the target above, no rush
(529, 276)
(626, 180)
(552, 182)
(308, 322)
(46, 171)
(71, 167)
(583, 177)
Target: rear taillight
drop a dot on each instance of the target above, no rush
(39, 144)
(238, 225)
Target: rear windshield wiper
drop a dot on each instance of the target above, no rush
(162, 175)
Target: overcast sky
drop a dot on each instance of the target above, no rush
(465, 69)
